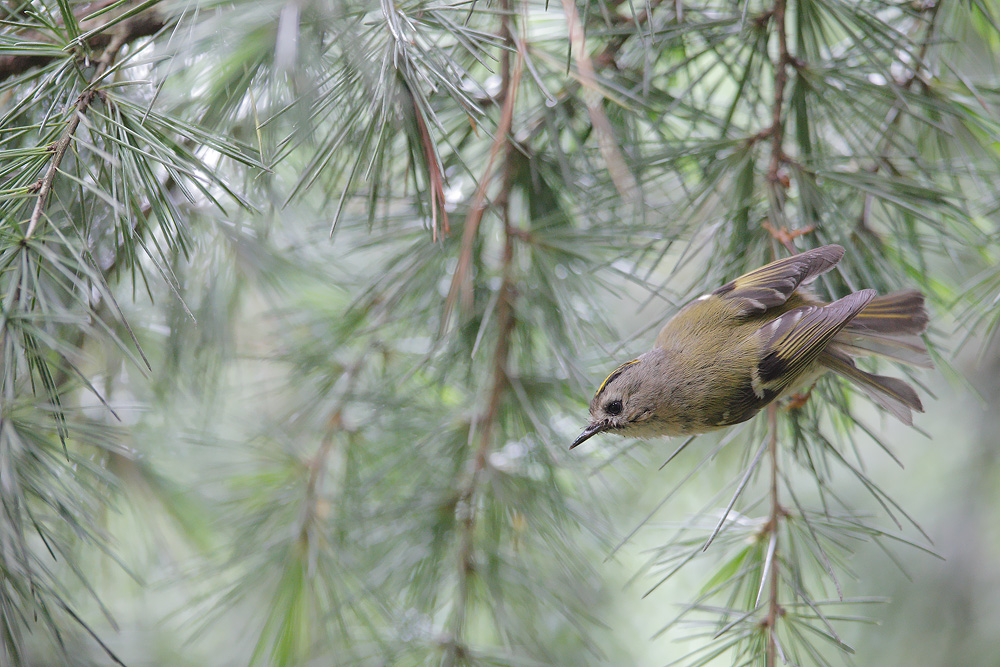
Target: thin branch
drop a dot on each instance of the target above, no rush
(123, 33)
(592, 95)
(455, 649)
(894, 117)
(143, 24)
(775, 185)
(317, 466)
(435, 175)
(120, 37)
(774, 610)
(459, 280)
(777, 131)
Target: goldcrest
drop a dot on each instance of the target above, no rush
(727, 354)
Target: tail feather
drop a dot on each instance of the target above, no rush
(892, 394)
(896, 313)
(904, 348)
(889, 326)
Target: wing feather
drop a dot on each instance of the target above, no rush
(773, 283)
(793, 341)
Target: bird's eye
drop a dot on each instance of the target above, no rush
(613, 408)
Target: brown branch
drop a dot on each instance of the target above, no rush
(435, 177)
(317, 465)
(60, 147)
(774, 610)
(118, 38)
(776, 184)
(123, 33)
(141, 25)
(895, 115)
(466, 499)
(620, 175)
(435, 174)
(477, 207)
(777, 131)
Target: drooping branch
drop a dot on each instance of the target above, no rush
(776, 184)
(487, 424)
(774, 610)
(318, 462)
(460, 279)
(143, 24)
(894, 116)
(121, 34)
(620, 175)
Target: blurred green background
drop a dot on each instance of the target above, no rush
(301, 304)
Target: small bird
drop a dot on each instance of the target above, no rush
(727, 354)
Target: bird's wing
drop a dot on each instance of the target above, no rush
(793, 341)
(773, 283)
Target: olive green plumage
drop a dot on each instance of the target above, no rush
(727, 354)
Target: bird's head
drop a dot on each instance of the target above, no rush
(623, 403)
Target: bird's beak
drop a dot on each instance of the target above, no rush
(593, 429)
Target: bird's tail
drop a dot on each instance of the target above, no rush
(892, 394)
(889, 326)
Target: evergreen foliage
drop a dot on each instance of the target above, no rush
(301, 305)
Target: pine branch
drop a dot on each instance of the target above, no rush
(895, 116)
(620, 175)
(777, 513)
(143, 24)
(60, 147)
(506, 320)
(777, 131)
(44, 185)
(317, 466)
(460, 279)
(776, 186)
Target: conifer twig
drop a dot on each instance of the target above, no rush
(774, 610)
(143, 24)
(459, 284)
(775, 183)
(455, 647)
(592, 95)
(44, 187)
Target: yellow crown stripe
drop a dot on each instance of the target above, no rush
(612, 375)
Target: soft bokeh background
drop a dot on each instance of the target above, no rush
(373, 293)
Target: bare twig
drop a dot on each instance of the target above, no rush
(435, 174)
(317, 465)
(777, 131)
